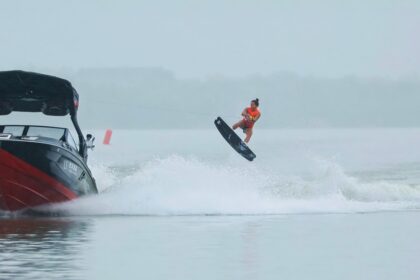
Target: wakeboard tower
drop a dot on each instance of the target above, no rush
(234, 140)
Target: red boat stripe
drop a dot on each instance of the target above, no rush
(28, 189)
(35, 174)
(24, 205)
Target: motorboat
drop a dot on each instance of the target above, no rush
(41, 164)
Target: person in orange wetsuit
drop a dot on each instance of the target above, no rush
(251, 115)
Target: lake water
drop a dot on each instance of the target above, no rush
(315, 204)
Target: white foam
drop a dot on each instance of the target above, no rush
(178, 185)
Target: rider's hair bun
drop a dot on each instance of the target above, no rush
(256, 101)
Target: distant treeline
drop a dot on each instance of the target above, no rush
(154, 98)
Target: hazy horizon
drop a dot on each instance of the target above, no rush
(154, 98)
(180, 64)
(200, 39)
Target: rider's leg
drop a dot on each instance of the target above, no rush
(248, 134)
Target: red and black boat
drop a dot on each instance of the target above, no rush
(41, 164)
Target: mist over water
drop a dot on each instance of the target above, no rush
(296, 171)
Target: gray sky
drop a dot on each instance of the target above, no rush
(204, 38)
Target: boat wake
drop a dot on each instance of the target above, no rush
(178, 185)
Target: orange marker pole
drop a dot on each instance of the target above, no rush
(107, 138)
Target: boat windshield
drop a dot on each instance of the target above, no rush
(15, 130)
(49, 132)
(71, 142)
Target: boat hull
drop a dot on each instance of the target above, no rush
(34, 174)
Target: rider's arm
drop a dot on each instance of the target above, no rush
(244, 113)
(257, 117)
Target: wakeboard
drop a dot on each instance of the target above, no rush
(234, 140)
